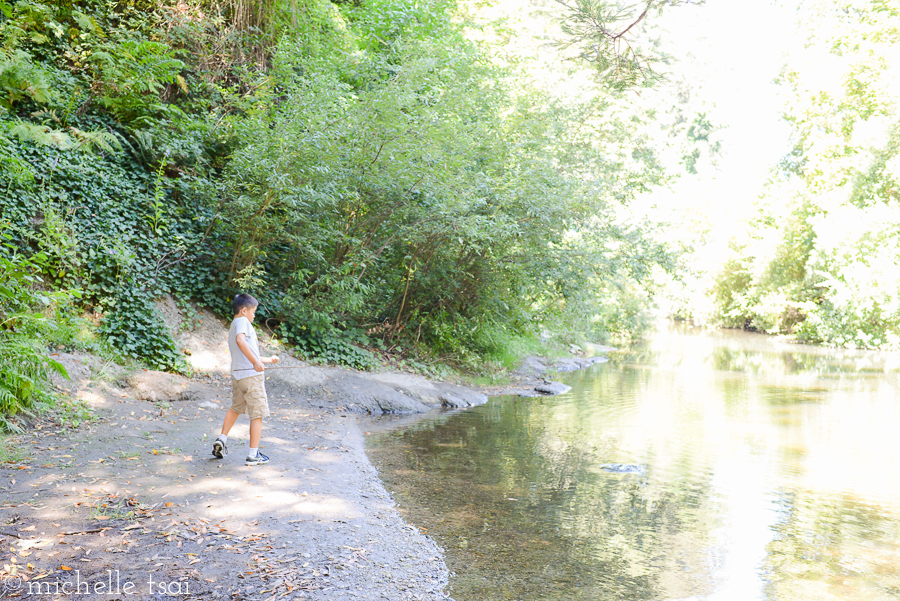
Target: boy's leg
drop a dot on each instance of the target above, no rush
(230, 418)
(254, 457)
(257, 409)
(255, 432)
(238, 405)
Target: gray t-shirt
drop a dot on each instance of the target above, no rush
(240, 365)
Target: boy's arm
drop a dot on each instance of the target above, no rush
(241, 340)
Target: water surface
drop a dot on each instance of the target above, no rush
(762, 470)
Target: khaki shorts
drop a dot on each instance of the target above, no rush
(249, 396)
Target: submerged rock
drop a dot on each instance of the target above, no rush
(622, 468)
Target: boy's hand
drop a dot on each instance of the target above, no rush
(274, 359)
(258, 366)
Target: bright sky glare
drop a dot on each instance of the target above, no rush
(740, 47)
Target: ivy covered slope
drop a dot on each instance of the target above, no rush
(821, 260)
(104, 170)
(372, 176)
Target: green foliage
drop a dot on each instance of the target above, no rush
(20, 78)
(364, 168)
(331, 346)
(821, 259)
(854, 269)
(412, 204)
(24, 362)
(109, 229)
(74, 138)
(132, 74)
(133, 326)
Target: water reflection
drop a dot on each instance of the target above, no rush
(769, 471)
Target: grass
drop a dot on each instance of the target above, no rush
(496, 379)
(111, 509)
(72, 412)
(79, 333)
(9, 452)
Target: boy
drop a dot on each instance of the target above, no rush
(248, 387)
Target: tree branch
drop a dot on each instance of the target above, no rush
(638, 20)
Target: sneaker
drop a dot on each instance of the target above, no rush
(260, 458)
(219, 449)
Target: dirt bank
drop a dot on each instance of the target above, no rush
(133, 506)
(135, 497)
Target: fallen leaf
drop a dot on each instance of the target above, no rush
(169, 504)
(65, 568)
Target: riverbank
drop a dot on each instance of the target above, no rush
(134, 497)
(137, 494)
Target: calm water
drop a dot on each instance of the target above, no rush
(765, 471)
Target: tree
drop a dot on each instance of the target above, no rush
(605, 34)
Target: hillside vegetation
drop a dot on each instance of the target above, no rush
(374, 177)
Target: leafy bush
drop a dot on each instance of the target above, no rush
(331, 346)
(366, 162)
(24, 360)
(132, 324)
(821, 260)
(854, 268)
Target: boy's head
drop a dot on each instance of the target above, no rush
(244, 304)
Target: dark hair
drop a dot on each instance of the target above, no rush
(243, 300)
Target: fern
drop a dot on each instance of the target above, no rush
(44, 135)
(25, 367)
(90, 140)
(87, 23)
(20, 78)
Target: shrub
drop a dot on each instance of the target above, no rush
(24, 362)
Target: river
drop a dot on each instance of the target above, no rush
(758, 470)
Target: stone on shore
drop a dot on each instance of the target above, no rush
(550, 388)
